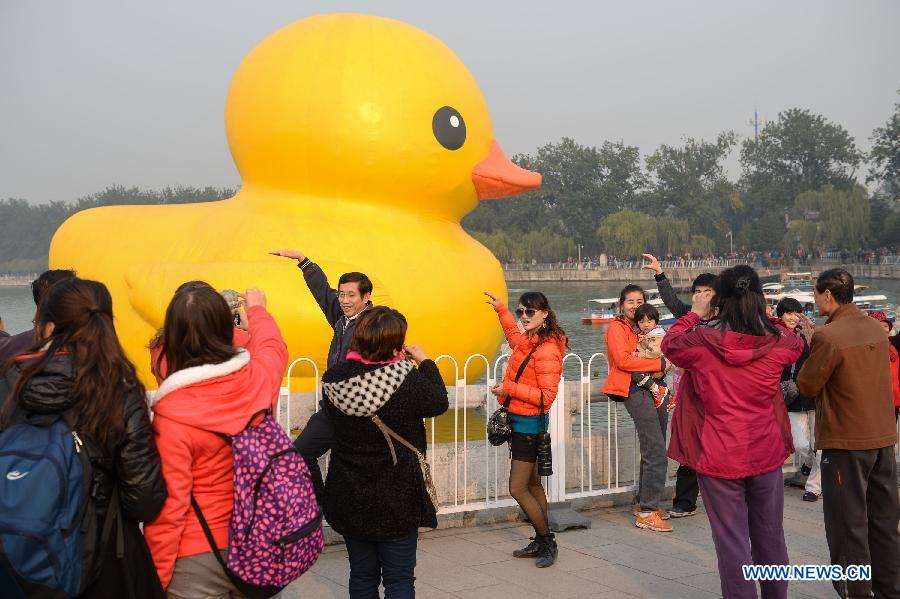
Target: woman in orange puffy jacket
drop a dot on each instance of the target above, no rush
(650, 422)
(543, 344)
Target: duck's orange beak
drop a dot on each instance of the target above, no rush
(497, 177)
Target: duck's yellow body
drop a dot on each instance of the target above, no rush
(346, 130)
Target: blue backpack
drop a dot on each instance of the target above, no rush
(48, 524)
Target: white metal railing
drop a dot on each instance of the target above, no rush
(470, 474)
(595, 448)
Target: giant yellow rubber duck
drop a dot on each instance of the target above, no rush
(361, 140)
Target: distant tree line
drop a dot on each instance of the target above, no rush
(26, 229)
(798, 191)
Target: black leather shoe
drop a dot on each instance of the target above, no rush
(548, 550)
(532, 549)
(810, 496)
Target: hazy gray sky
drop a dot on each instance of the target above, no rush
(99, 92)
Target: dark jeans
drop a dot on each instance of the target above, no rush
(859, 493)
(650, 424)
(746, 516)
(393, 562)
(686, 489)
(314, 441)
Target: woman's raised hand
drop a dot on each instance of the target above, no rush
(254, 297)
(497, 390)
(495, 301)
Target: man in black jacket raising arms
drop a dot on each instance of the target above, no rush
(341, 308)
(686, 487)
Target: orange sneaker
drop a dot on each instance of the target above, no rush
(636, 509)
(652, 522)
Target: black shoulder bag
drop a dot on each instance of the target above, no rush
(499, 426)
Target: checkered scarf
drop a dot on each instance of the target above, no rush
(363, 395)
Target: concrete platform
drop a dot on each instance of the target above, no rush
(612, 559)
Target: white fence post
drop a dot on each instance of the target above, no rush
(558, 444)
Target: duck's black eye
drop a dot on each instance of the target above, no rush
(449, 128)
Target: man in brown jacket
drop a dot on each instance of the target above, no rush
(848, 371)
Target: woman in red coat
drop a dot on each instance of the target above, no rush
(211, 389)
(731, 425)
(543, 345)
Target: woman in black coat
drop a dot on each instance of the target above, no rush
(375, 493)
(77, 367)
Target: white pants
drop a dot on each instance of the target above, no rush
(803, 429)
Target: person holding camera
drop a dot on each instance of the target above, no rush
(732, 427)
(210, 389)
(527, 391)
(376, 494)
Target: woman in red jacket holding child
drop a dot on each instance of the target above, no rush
(540, 348)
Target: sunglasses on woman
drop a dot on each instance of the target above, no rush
(529, 312)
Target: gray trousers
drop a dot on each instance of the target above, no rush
(199, 576)
(650, 424)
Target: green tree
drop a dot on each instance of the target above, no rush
(884, 157)
(631, 233)
(884, 161)
(542, 246)
(26, 229)
(581, 185)
(799, 151)
(830, 218)
(690, 182)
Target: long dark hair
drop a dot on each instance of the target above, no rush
(742, 305)
(82, 316)
(538, 301)
(198, 329)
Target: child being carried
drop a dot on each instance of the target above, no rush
(649, 346)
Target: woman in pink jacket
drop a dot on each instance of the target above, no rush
(211, 389)
(731, 424)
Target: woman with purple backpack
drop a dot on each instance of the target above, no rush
(210, 391)
(376, 493)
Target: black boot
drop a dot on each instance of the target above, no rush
(547, 550)
(532, 549)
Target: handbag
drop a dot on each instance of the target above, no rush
(499, 425)
(423, 464)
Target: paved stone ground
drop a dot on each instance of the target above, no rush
(613, 559)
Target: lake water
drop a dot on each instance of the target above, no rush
(569, 300)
